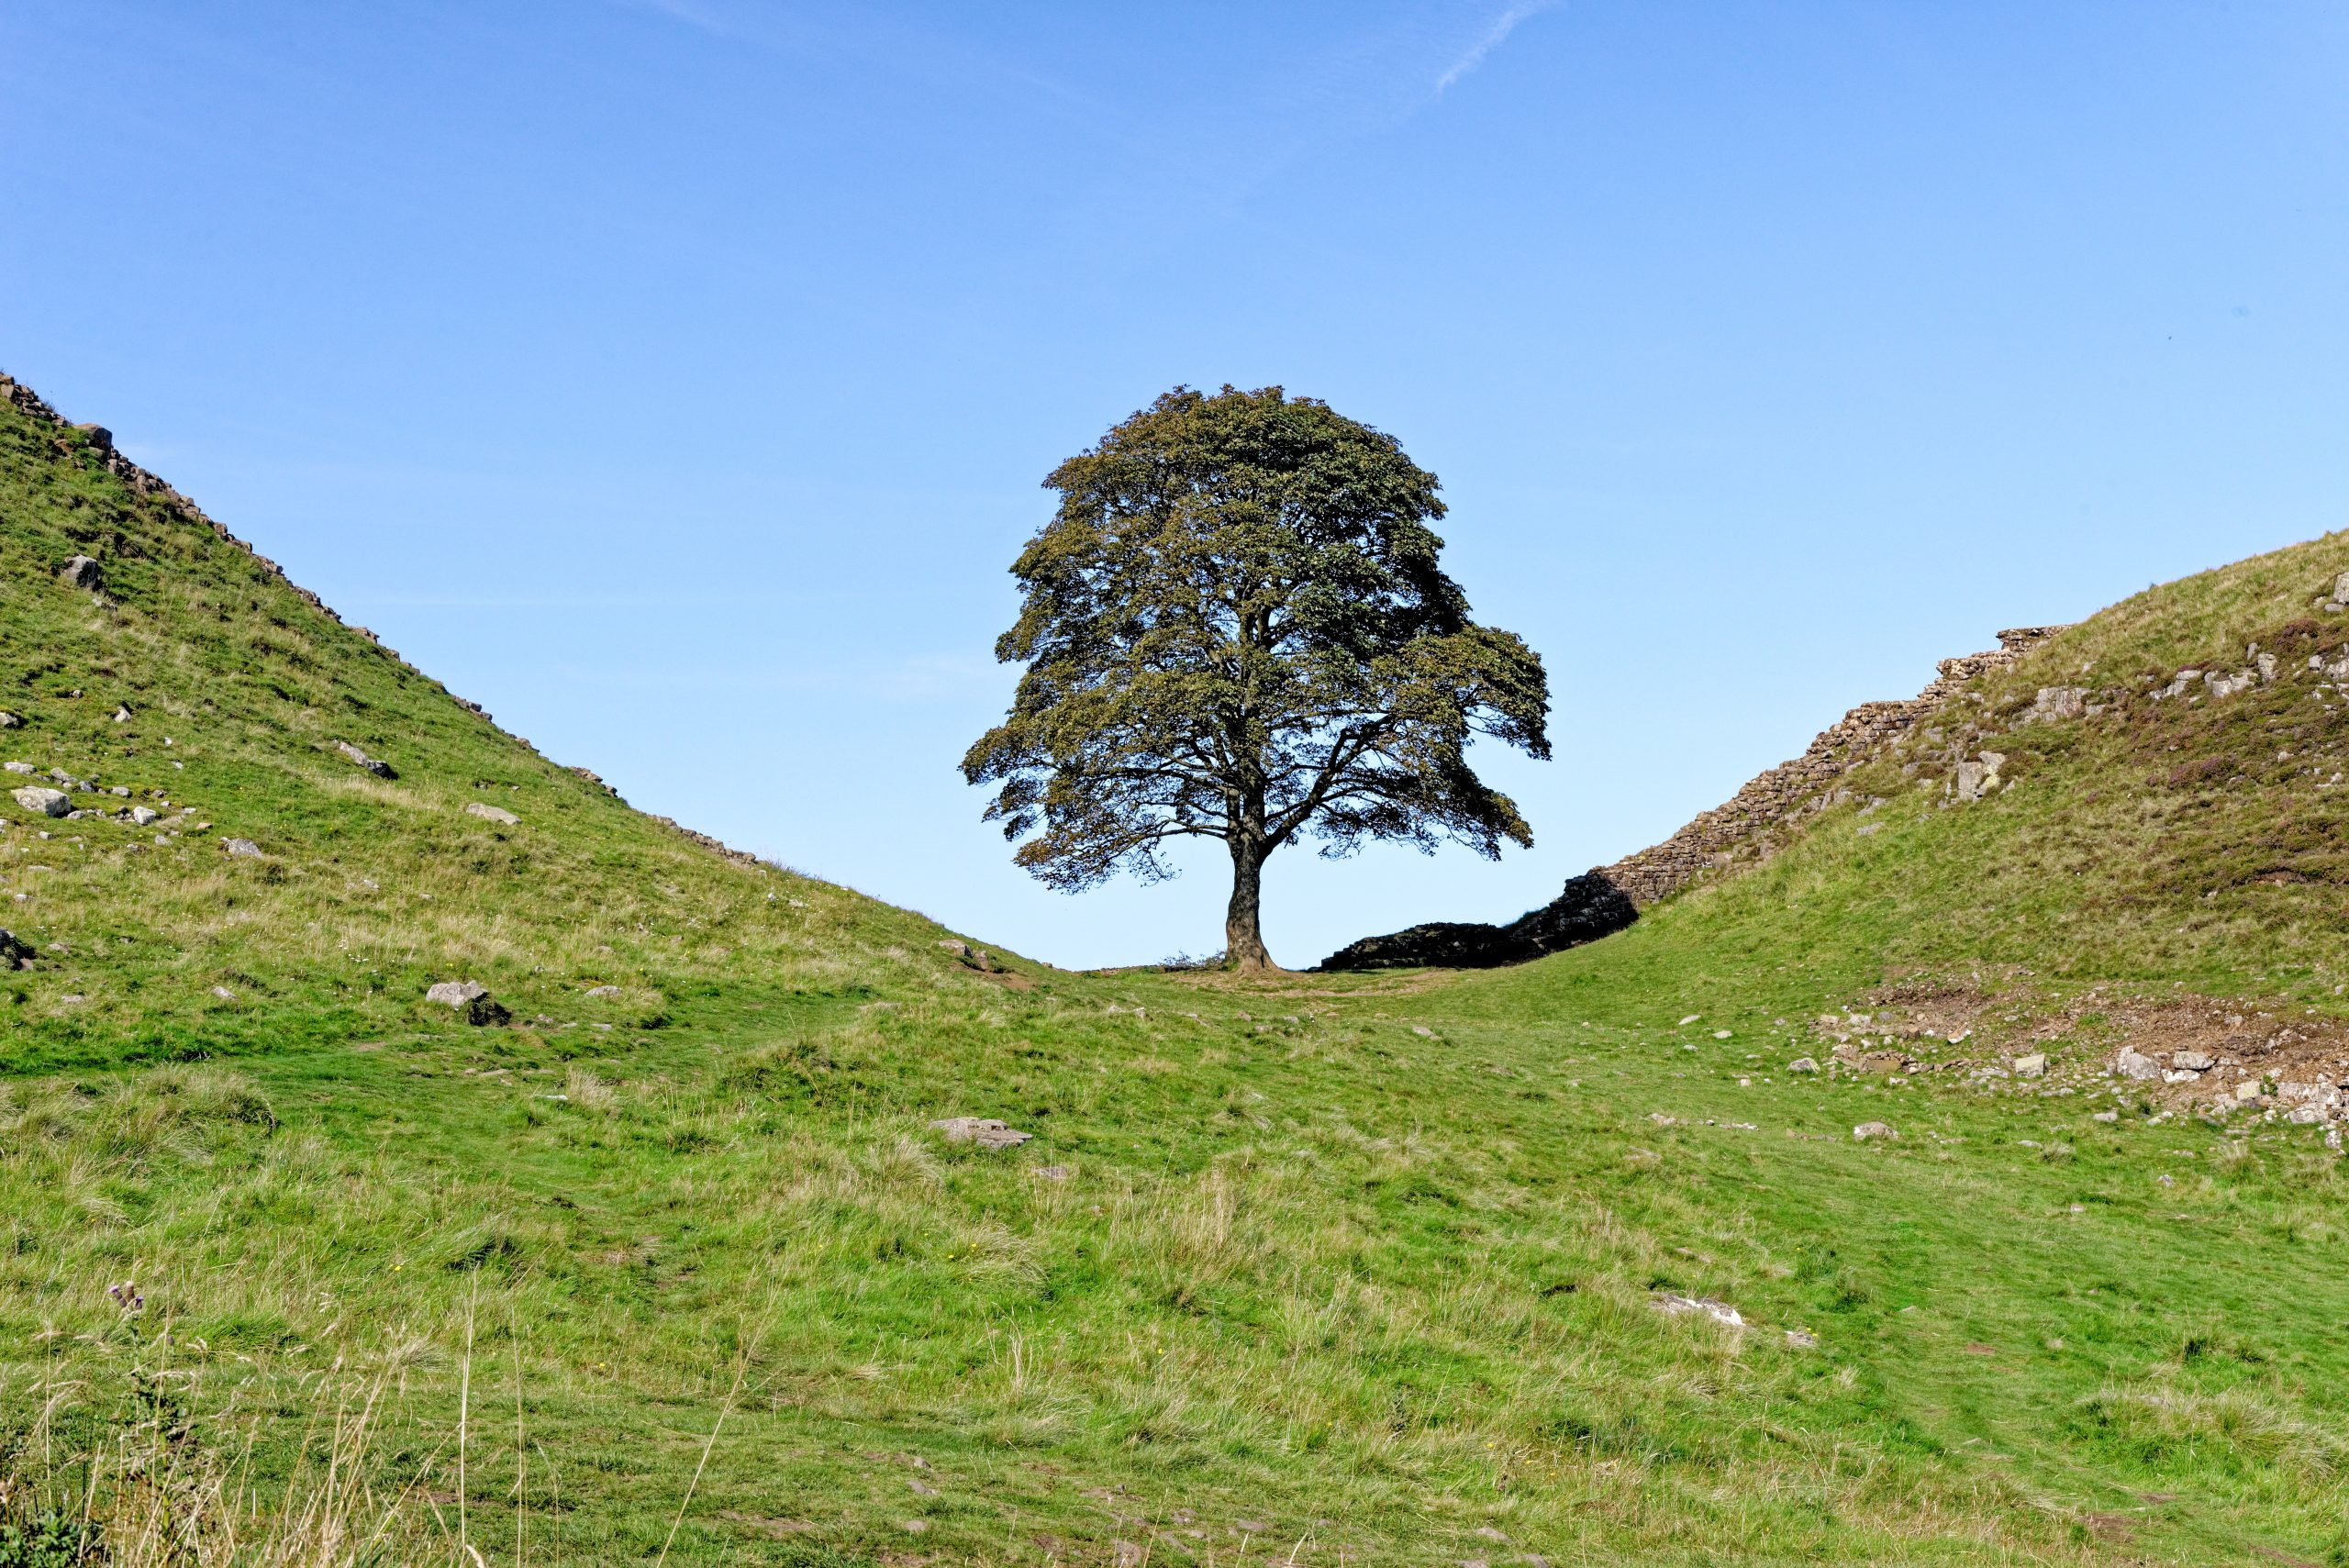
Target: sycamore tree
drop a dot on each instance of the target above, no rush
(1235, 627)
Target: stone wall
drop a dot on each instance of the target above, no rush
(1748, 826)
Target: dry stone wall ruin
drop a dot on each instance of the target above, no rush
(1748, 826)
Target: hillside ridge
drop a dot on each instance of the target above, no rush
(97, 441)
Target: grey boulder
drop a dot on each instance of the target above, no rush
(374, 765)
(471, 999)
(497, 814)
(80, 572)
(46, 801)
(984, 1131)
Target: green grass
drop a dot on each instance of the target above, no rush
(1327, 1269)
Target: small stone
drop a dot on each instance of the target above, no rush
(1802, 1340)
(1689, 1020)
(121, 714)
(2246, 1093)
(1424, 1031)
(224, 993)
(2105, 1116)
(2176, 1076)
(80, 572)
(603, 990)
(984, 1131)
(1802, 1064)
(497, 814)
(2134, 1063)
(2057, 702)
(1053, 1172)
(1868, 1130)
(15, 953)
(142, 816)
(1673, 1305)
(374, 765)
(1721, 1034)
(2032, 1066)
(19, 767)
(244, 847)
(960, 949)
(472, 1001)
(2192, 1061)
(44, 800)
(11, 720)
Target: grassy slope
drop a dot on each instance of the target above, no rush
(1360, 1265)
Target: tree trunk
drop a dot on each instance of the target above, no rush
(1243, 941)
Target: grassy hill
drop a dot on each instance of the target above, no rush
(1327, 1269)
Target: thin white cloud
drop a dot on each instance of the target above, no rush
(1490, 39)
(690, 12)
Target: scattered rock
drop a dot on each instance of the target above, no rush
(44, 800)
(122, 713)
(497, 814)
(11, 720)
(15, 953)
(244, 847)
(2135, 1063)
(2057, 702)
(2338, 600)
(1978, 778)
(2192, 1061)
(1053, 1172)
(2032, 1066)
(1868, 1130)
(472, 1001)
(1673, 1305)
(984, 1131)
(2222, 685)
(2248, 1092)
(1802, 1064)
(1802, 1339)
(603, 990)
(224, 993)
(144, 815)
(374, 765)
(19, 767)
(80, 572)
(2105, 1116)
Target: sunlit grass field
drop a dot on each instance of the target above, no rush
(295, 1267)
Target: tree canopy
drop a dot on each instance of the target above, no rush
(1235, 627)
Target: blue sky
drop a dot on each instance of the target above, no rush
(676, 378)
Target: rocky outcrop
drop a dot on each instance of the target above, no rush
(1748, 825)
(1591, 906)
